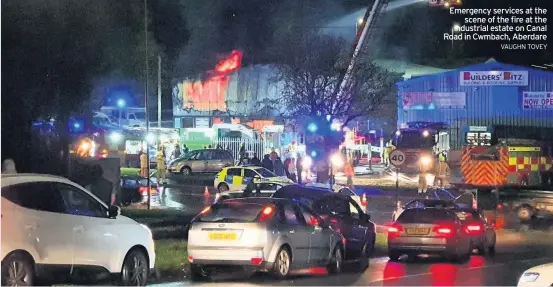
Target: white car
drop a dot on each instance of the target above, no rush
(541, 275)
(51, 225)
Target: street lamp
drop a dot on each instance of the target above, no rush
(455, 28)
(121, 104)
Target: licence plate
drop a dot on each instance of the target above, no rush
(418, 231)
(222, 236)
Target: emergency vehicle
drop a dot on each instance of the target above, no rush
(421, 142)
(511, 162)
(237, 177)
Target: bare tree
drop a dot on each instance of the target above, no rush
(310, 71)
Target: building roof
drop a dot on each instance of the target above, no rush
(408, 70)
(489, 65)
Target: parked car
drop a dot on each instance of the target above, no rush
(430, 231)
(201, 161)
(135, 190)
(541, 275)
(527, 202)
(343, 214)
(261, 190)
(238, 177)
(263, 234)
(53, 228)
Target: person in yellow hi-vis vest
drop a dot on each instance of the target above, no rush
(143, 164)
(442, 171)
(160, 165)
(423, 171)
(386, 154)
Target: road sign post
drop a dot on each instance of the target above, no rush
(397, 159)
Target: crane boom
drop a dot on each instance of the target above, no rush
(369, 21)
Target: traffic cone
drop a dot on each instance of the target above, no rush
(207, 196)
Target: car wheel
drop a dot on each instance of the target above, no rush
(336, 262)
(198, 273)
(223, 187)
(363, 263)
(524, 213)
(17, 270)
(394, 255)
(283, 260)
(135, 269)
(186, 171)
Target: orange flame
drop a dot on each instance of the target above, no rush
(210, 95)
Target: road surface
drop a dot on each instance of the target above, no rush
(516, 252)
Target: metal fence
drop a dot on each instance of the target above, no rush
(253, 146)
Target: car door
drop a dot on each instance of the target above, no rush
(199, 161)
(292, 227)
(47, 227)
(361, 231)
(319, 239)
(234, 178)
(95, 234)
(212, 158)
(248, 177)
(340, 219)
(217, 161)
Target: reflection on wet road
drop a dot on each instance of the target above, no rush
(516, 252)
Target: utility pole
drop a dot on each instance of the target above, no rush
(146, 106)
(159, 91)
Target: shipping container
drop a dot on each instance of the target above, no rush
(512, 101)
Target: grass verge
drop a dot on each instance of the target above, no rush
(134, 171)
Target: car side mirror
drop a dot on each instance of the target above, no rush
(114, 211)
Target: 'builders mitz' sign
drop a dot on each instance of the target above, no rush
(493, 78)
(537, 100)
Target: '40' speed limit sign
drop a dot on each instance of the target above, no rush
(397, 158)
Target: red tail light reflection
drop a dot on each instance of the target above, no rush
(267, 212)
(394, 230)
(444, 230)
(474, 228)
(257, 260)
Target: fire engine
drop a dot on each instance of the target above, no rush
(421, 142)
(510, 162)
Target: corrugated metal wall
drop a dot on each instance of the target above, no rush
(485, 105)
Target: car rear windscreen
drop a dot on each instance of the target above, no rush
(430, 215)
(232, 212)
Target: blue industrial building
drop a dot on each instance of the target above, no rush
(489, 99)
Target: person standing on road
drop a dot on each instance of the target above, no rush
(442, 171)
(299, 168)
(386, 154)
(292, 170)
(423, 185)
(185, 149)
(280, 170)
(143, 164)
(255, 160)
(242, 153)
(349, 172)
(160, 166)
(267, 163)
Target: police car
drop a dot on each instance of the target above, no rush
(260, 190)
(236, 178)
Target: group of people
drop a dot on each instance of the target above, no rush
(290, 167)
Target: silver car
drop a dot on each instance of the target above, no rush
(428, 231)
(263, 234)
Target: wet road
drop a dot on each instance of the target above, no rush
(516, 252)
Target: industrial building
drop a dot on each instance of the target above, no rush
(482, 102)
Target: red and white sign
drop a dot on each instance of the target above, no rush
(431, 100)
(537, 100)
(493, 78)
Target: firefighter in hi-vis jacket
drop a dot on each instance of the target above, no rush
(425, 163)
(442, 171)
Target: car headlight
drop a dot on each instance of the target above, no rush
(529, 277)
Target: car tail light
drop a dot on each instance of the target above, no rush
(266, 213)
(257, 260)
(444, 230)
(499, 206)
(143, 190)
(313, 221)
(474, 228)
(394, 230)
(190, 259)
